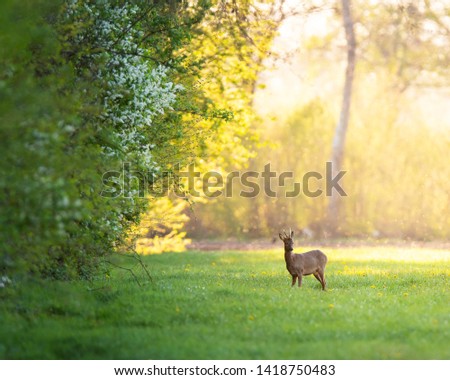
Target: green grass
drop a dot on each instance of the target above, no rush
(381, 303)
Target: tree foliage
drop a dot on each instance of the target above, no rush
(397, 176)
(86, 88)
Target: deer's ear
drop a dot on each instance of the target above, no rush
(292, 234)
(280, 236)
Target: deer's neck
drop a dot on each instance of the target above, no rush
(288, 256)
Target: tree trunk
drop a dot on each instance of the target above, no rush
(341, 128)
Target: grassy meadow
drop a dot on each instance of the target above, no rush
(381, 303)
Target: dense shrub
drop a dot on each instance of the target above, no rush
(83, 91)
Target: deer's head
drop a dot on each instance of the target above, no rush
(287, 240)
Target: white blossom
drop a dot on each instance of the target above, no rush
(5, 281)
(135, 89)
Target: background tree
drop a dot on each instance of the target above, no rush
(235, 42)
(342, 126)
(394, 149)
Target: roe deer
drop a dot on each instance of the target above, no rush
(303, 264)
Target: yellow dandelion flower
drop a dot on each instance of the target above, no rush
(331, 306)
(251, 317)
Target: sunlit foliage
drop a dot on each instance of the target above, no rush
(397, 178)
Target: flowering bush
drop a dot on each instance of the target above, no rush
(90, 97)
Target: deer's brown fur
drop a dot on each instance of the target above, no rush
(303, 264)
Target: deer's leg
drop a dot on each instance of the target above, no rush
(317, 276)
(294, 278)
(300, 277)
(322, 279)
